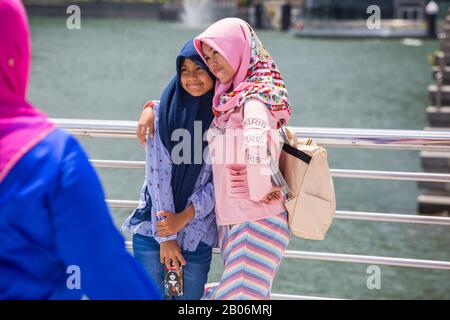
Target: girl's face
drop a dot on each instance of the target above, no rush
(194, 78)
(217, 64)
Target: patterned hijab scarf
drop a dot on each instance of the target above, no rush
(256, 74)
(21, 125)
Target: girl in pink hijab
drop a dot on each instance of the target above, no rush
(57, 238)
(250, 103)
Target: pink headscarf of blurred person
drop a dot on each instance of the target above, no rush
(21, 125)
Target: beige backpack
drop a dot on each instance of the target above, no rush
(311, 199)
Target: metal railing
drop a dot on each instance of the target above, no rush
(354, 258)
(430, 140)
(341, 173)
(336, 137)
(349, 215)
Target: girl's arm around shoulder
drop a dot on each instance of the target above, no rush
(146, 121)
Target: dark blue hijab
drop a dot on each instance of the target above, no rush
(178, 109)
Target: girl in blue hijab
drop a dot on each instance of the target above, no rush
(174, 224)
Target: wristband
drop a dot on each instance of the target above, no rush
(149, 104)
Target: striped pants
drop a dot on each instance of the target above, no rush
(252, 252)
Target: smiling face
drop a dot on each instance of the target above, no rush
(217, 64)
(194, 78)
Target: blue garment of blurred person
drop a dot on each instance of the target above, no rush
(57, 239)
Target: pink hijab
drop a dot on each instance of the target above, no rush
(256, 74)
(21, 125)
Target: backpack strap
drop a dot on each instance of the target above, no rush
(292, 150)
(306, 158)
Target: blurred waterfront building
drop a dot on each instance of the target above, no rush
(356, 9)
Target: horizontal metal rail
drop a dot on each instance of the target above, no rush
(338, 173)
(391, 217)
(431, 140)
(282, 296)
(118, 164)
(391, 175)
(348, 215)
(436, 140)
(353, 258)
(386, 261)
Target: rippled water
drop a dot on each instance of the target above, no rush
(110, 67)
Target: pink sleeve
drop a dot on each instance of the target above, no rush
(256, 130)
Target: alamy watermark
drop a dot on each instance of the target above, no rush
(252, 145)
(374, 280)
(74, 278)
(73, 21)
(373, 22)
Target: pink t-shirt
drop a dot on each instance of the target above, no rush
(241, 164)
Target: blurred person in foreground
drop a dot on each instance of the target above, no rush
(57, 238)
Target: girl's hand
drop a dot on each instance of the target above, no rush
(146, 120)
(273, 195)
(173, 222)
(170, 254)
